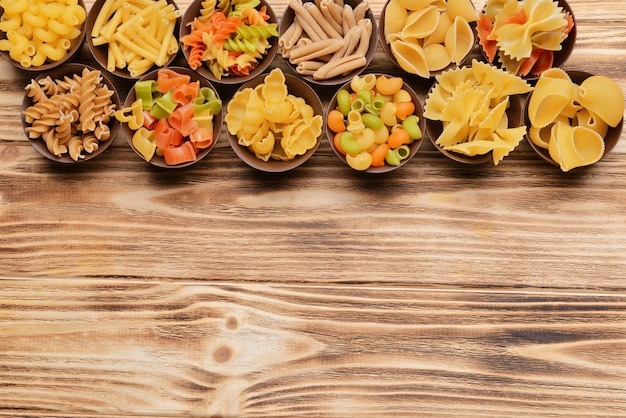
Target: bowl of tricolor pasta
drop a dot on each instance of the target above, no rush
(68, 113)
(231, 45)
(374, 123)
(426, 39)
(329, 42)
(172, 117)
(526, 38)
(574, 118)
(275, 122)
(134, 38)
(40, 35)
(482, 121)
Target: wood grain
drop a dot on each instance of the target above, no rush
(123, 347)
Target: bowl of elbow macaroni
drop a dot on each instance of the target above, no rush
(134, 38)
(328, 44)
(232, 45)
(38, 35)
(68, 113)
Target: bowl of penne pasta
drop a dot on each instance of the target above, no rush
(375, 123)
(328, 44)
(427, 39)
(231, 45)
(130, 40)
(526, 38)
(68, 113)
(172, 117)
(39, 35)
(275, 122)
(574, 118)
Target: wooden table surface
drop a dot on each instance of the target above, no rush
(440, 289)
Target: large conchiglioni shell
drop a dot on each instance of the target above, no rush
(395, 16)
(439, 35)
(462, 8)
(459, 40)
(603, 97)
(416, 4)
(437, 57)
(540, 136)
(587, 119)
(410, 57)
(421, 23)
(547, 101)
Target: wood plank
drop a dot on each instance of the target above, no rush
(80, 347)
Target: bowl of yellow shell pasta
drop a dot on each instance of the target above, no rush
(574, 118)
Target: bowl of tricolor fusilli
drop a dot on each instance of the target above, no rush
(68, 113)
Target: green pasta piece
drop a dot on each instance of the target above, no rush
(207, 100)
(343, 102)
(395, 156)
(163, 106)
(257, 31)
(241, 44)
(348, 143)
(372, 121)
(145, 90)
(412, 127)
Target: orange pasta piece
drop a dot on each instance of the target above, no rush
(168, 79)
(186, 93)
(398, 137)
(182, 119)
(485, 27)
(335, 121)
(181, 154)
(201, 137)
(404, 109)
(379, 154)
(166, 136)
(337, 142)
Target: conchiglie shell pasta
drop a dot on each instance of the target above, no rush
(604, 98)
(547, 101)
(459, 40)
(439, 34)
(410, 57)
(415, 4)
(420, 23)
(462, 8)
(587, 119)
(395, 16)
(437, 57)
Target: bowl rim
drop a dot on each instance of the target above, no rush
(114, 124)
(387, 49)
(560, 57)
(99, 53)
(414, 146)
(435, 127)
(192, 11)
(76, 46)
(158, 161)
(288, 17)
(577, 77)
(279, 166)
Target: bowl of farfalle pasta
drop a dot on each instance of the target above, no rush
(327, 42)
(424, 39)
(275, 122)
(526, 38)
(68, 113)
(229, 42)
(574, 118)
(39, 35)
(135, 38)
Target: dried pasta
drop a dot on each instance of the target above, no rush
(231, 38)
(327, 39)
(61, 117)
(271, 122)
(40, 31)
(571, 122)
(138, 34)
(523, 36)
(471, 103)
(426, 37)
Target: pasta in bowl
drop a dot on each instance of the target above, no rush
(574, 118)
(375, 123)
(229, 42)
(325, 43)
(39, 35)
(425, 38)
(130, 38)
(172, 117)
(474, 113)
(274, 122)
(68, 113)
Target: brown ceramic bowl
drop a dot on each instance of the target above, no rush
(434, 128)
(75, 46)
(414, 146)
(288, 18)
(611, 138)
(298, 88)
(159, 161)
(389, 53)
(100, 52)
(193, 11)
(560, 57)
(59, 73)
